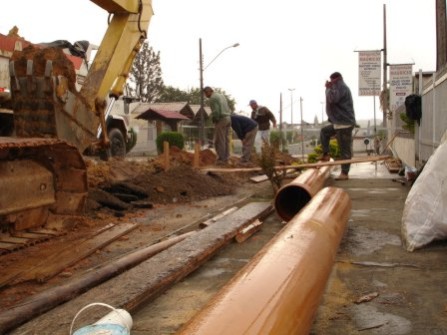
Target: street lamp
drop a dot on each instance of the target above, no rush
(202, 99)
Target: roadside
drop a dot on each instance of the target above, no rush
(376, 287)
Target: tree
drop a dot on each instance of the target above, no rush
(145, 81)
(171, 94)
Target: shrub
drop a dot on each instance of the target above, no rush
(334, 151)
(409, 123)
(276, 140)
(172, 137)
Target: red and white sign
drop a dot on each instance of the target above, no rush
(401, 84)
(370, 65)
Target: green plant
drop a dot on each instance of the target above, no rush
(172, 137)
(267, 161)
(277, 139)
(409, 123)
(334, 151)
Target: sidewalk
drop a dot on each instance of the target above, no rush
(376, 286)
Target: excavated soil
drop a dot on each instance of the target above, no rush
(145, 182)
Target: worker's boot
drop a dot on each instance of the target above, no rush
(342, 176)
(324, 158)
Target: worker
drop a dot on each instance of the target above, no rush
(341, 116)
(220, 115)
(263, 116)
(246, 130)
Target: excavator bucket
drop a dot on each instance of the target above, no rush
(45, 100)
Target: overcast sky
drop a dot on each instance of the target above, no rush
(284, 44)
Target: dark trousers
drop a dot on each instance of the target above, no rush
(344, 139)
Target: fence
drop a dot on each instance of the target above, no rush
(415, 149)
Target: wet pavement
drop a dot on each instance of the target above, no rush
(376, 286)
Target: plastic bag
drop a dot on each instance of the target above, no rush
(424, 218)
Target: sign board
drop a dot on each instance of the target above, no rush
(370, 65)
(401, 84)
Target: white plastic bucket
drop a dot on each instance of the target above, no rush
(117, 322)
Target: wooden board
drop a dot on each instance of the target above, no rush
(258, 179)
(393, 165)
(42, 268)
(134, 287)
(305, 165)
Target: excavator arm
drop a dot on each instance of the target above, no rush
(42, 172)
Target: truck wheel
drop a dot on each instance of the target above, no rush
(117, 143)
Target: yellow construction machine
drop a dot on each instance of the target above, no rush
(43, 175)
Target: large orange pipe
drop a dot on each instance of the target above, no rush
(291, 198)
(279, 290)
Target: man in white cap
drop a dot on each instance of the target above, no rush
(263, 116)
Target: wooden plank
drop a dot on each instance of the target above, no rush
(248, 231)
(152, 277)
(42, 266)
(14, 240)
(393, 165)
(46, 232)
(46, 300)
(219, 216)
(24, 234)
(260, 178)
(70, 256)
(305, 165)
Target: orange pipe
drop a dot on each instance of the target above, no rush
(291, 198)
(279, 290)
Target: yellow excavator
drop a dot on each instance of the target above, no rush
(43, 175)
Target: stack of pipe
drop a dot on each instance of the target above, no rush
(279, 290)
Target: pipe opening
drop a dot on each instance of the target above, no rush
(290, 200)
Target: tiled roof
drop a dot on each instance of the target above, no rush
(172, 111)
(8, 44)
(196, 108)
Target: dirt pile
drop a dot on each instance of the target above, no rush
(129, 184)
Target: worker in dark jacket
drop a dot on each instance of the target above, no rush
(245, 129)
(341, 116)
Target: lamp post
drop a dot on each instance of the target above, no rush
(202, 99)
(291, 110)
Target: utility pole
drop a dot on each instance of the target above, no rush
(202, 98)
(385, 78)
(441, 34)
(280, 123)
(302, 130)
(291, 113)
